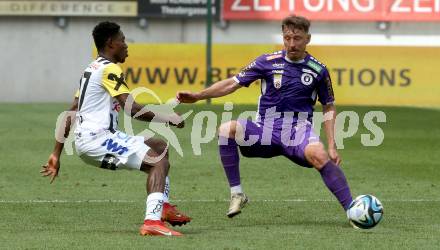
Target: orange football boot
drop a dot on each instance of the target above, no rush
(171, 215)
(157, 228)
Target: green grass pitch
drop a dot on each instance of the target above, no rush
(290, 208)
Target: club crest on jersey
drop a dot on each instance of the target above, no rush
(277, 79)
(306, 79)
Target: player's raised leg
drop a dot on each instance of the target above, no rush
(157, 168)
(228, 150)
(331, 174)
(170, 214)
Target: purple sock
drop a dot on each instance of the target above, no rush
(230, 160)
(335, 181)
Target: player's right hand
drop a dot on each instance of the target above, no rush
(51, 168)
(187, 97)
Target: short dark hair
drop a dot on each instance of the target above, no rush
(103, 31)
(296, 22)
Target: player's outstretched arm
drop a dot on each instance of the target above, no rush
(329, 127)
(52, 167)
(218, 89)
(140, 112)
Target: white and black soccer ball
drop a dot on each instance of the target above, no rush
(365, 211)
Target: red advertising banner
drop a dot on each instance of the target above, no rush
(333, 10)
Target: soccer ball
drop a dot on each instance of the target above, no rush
(365, 211)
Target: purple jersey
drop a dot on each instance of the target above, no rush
(288, 86)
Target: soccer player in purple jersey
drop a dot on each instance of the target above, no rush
(291, 81)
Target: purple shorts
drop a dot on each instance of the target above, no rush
(264, 141)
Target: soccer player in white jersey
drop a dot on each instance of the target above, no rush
(98, 142)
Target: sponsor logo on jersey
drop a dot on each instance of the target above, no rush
(316, 60)
(310, 72)
(94, 66)
(250, 66)
(314, 66)
(306, 79)
(275, 53)
(278, 65)
(119, 80)
(273, 57)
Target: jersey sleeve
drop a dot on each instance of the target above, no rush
(325, 89)
(113, 80)
(250, 73)
(76, 94)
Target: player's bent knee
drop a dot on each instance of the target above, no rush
(158, 145)
(316, 155)
(161, 146)
(153, 159)
(321, 158)
(228, 129)
(161, 165)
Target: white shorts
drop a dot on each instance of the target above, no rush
(111, 150)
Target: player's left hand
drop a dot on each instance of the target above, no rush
(334, 156)
(51, 168)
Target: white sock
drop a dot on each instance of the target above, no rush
(236, 189)
(166, 191)
(154, 206)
